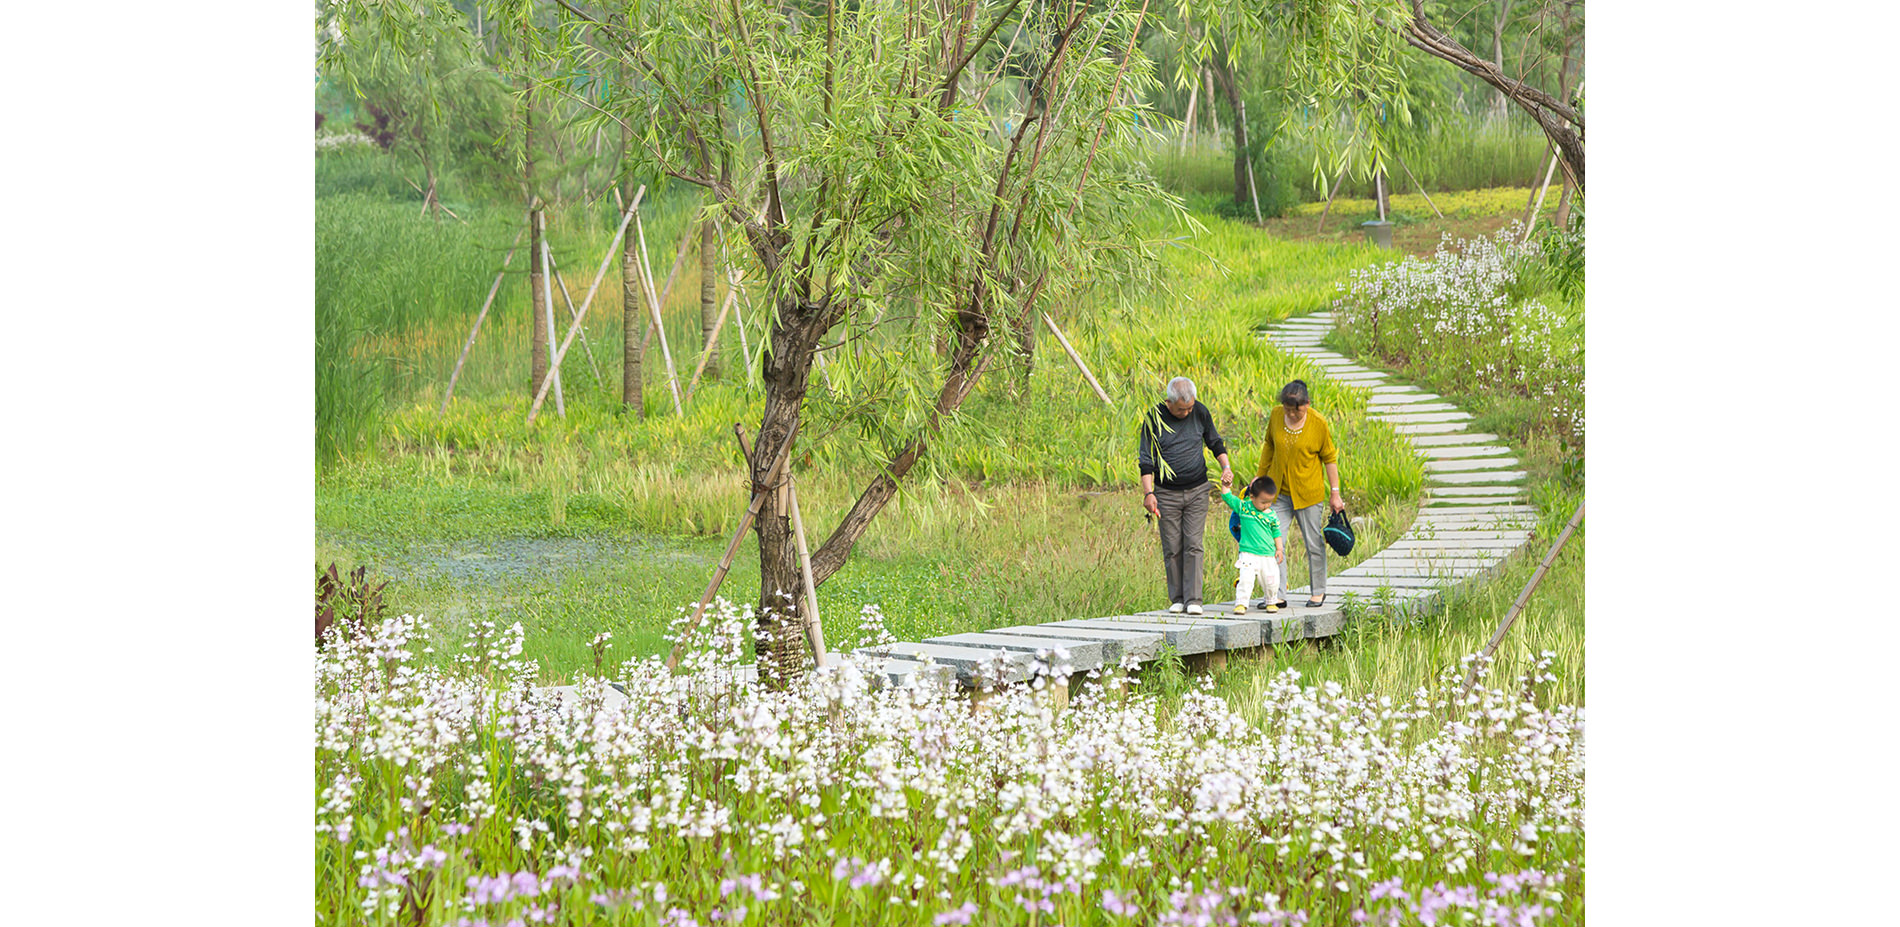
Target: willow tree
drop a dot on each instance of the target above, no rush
(1346, 61)
(880, 206)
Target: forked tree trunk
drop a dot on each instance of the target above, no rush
(708, 295)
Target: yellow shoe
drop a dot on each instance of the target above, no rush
(1270, 608)
(1240, 609)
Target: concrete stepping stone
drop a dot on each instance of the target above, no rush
(1083, 655)
(1185, 639)
(1383, 408)
(967, 661)
(1435, 535)
(1430, 428)
(1460, 453)
(1453, 503)
(1470, 437)
(1474, 463)
(1116, 645)
(1420, 418)
(1464, 479)
(570, 696)
(1389, 398)
(1228, 632)
(1513, 510)
(1449, 491)
(903, 673)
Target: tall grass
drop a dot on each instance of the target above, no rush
(1455, 153)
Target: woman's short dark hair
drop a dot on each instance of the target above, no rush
(1294, 394)
(1262, 485)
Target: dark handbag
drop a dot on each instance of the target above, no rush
(1339, 533)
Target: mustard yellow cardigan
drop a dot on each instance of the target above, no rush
(1296, 461)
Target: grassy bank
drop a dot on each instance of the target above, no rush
(1031, 513)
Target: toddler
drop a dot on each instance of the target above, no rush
(1262, 543)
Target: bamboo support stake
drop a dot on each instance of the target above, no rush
(1187, 124)
(732, 549)
(814, 630)
(1524, 597)
(574, 315)
(547, 305)
(554, 366)
(1531, 222)
(734, 282)
(732, 297)
(1077, 358)
(659, 322)
(1329, 202)
(486, 303)
(1421, 187)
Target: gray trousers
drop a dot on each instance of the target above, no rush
(1312, 521)
(1183, 528)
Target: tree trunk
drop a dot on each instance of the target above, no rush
(537, 301)
(708, 295)
(786, 371)
(1224, 75)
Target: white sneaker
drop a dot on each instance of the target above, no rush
(1175, 609)
(1194, 609)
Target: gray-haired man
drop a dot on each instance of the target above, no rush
(1172, 436)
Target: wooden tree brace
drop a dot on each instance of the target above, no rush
(732, 549)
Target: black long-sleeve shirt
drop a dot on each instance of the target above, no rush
(1181, 441)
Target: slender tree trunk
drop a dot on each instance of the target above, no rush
(1501, 104)
(633, 315)
(537, 301)
(708, 294)
(1224, 75)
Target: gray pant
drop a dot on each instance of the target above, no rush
(1183, 528)
(1312, 521)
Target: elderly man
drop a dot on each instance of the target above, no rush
(1174, 483)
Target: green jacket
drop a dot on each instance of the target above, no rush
(1258, 529)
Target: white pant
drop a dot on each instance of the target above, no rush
(1256, 565)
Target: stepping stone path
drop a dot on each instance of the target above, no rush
(1472, 519)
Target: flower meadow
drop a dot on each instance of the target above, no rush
(1475, 319)
(456, 792)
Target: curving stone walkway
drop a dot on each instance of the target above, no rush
(1471, 520)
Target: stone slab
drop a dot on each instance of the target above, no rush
(1452, 503)
(1458, 543)
(899, 672)
(1381, 408)
(1083, 655)
(1469, 465)
(967, 661)
(1185, 639)
(1116, 645)
(1388, 398)
(1356, 379)
(1438, 491)
(1460, 479)
(1430, 428)
(1421, 418)
(1397, 390)
(1228, 633)
(1461, 453)
(1469, 437)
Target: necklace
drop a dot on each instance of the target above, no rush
(1290, 429)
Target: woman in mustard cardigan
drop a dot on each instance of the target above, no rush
(1300, 456)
